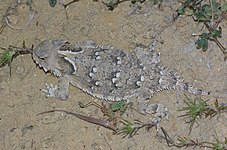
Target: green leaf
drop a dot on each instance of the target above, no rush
(29, 3)
(202, 16)
(216, 33)
(206, 8)
(202, 43)
(6, 58)
(52, 2)
(117, 105)
(111, 3)
(181, 10)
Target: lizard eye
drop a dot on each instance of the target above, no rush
(42, 58)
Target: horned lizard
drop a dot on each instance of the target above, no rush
(109, 73)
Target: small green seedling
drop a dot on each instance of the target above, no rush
(194, 110)
(217, 145)
(185, 142)
(12, 52)
(129, 129)
(198, 107)
(7, 56)
(120, 106)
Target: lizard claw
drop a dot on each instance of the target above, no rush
(50, 90)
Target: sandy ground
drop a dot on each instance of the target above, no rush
(21, 98)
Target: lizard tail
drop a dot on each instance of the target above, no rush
(170, 80)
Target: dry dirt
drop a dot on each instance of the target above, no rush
(125, 26)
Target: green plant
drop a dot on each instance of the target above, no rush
(194, 109)
(52, 2)
(120, 106)
(202, 41)
(198, 107)
(7, 56)
(186, 142)
(12, 52)
(210, 13)
(129, 129)
(29, 3)
(217, 109)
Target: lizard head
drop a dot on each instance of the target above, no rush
(46, 56)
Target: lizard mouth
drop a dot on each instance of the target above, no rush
(45, 56)
(40, 62)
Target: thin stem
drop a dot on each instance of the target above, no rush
(89, 119)
(212, 12)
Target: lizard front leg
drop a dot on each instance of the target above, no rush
(60, 91)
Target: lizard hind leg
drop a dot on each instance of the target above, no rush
(144, 107)
(159, 111)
